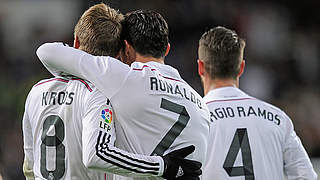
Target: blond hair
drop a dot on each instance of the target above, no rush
(98, 31)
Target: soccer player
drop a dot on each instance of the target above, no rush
(251, 139)
(68, 124)
(157, 111)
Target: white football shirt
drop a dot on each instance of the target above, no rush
(68, 125)
(251, 140)
(157, 111)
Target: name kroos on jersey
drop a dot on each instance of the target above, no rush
(161, 85)
(57, 98)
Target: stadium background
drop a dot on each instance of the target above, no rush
(282, 55)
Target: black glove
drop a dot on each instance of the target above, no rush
(176, 167)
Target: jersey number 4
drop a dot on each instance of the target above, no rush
(53, 141)
(176, 129)
(240, 141)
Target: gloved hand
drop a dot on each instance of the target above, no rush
(176, 167)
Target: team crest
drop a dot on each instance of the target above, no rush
(106, 115)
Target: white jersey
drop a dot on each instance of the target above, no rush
(68, 126)
(157, 112)
(251, 140)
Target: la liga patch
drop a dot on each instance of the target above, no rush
(106, 115)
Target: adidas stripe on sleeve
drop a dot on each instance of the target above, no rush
(99, 151)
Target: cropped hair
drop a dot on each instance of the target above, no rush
(221, 49)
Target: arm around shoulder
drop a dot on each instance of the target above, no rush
(59, 58)
(106, 73)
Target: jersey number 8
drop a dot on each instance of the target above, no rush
(56, 142)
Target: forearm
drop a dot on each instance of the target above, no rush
(297, 164)
(99, 152)
(104, 156)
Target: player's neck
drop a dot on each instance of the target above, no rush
(145, 59)
(211, 84)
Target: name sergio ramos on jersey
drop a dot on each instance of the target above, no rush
(239, 111)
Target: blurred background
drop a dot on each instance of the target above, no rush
(282, 55)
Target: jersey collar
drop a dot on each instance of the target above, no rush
(165, 69)
(225, 93)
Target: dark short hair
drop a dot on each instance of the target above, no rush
(99, 31)
(221, 49)
(147, 32)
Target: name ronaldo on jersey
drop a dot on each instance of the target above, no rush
(162, 85)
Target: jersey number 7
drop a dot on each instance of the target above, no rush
(240, 141)
(176, 129)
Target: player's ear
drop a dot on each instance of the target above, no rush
(76, 42)
(127, 48)
(129, 53)
(200, 67)
(167, 50)
(242, 65)
(126, 45)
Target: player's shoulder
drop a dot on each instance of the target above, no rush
(88, 91)
(48, 83)
(43, 82)
(83, 84)
(269, 105)
(64, 81)
(274, 109)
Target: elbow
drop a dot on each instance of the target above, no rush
(315, 176)
(47, 51)
(88, 161)
(89, 158)
(87, 164)
(42, 51)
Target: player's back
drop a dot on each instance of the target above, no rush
(249, 138)
(55, 109)
(158, 112)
